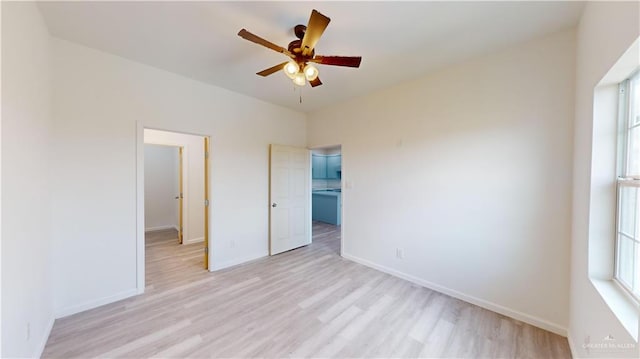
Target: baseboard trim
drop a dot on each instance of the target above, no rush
(523, 317)
(45, 338)
(65, 312)
(193, 240)
(236, 261)
(161, 228)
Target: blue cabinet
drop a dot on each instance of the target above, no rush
(334, 166)
(326, 207)
(318, 166)
(326, 166)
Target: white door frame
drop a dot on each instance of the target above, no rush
(342, 193)
(140, 238)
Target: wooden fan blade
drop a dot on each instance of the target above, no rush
(272, 70)
(348, 61)
(315, 82)
(260, 41)
(317, 24)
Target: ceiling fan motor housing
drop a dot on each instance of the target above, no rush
(299, 30)
(295, 47)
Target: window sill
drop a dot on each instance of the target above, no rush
(620, 303)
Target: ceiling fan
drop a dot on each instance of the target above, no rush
(302, 52)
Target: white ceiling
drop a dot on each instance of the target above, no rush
(396, 40)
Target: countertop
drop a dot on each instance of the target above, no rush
(327, 193)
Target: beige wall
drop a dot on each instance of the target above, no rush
(605, 32)
(27, 294)
(468, 170)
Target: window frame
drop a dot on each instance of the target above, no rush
(623, 180)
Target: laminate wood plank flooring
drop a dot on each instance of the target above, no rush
(308, 302)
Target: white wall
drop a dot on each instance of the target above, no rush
(468, 170)
(161, 173)
(26, 201)
(605, 31)
(193, 178)
(97, 99)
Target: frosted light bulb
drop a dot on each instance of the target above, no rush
(310, 72)
(299, 79)
(291, 69)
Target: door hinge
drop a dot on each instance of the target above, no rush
(206, 250)
(206, 155)
(206, 203)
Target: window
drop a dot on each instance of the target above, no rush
(627, 267)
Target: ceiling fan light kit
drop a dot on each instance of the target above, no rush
(302, 52)
(291, 69)
(310, 72)
(300, 74)
(299, 79)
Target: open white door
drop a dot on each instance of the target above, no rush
(290, 199)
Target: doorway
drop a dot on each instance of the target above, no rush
(164, 189)
(173, 242)
(326, 197)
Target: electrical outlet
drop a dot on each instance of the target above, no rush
(28, 331)
(399, 253)
(232, 243)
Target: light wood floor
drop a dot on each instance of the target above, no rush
(302, 303)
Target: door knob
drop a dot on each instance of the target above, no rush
(274, 205)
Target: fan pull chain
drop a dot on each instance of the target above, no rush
(296, 88)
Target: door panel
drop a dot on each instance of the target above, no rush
(281, 221)
(299, 221)
(281, 181)
(290, 195)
